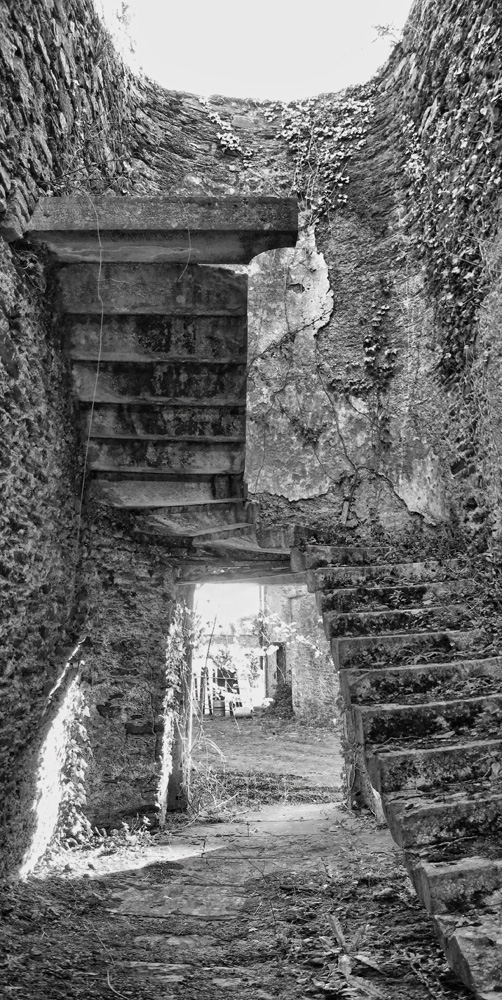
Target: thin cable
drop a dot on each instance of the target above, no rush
(189, 248)
(100, 351)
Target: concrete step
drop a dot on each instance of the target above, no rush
(474, 951)
(415, 821)
(219, 337)
(371, 598)
(385, 574)
(442, 616)
(418, 683)
(165, 492)
(201, 229)
(200, 455)
(366, 652)
(429, 766)
(457, 886)
(133, 289)
(174, 420)
(162, 381)
(457, 717)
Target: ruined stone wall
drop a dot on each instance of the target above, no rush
(130, 601)
(38, 531)
(309, 663)
(374, 364)
(448, 74)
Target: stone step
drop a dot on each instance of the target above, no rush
(220, 337)
(366, 652)
(158, 228)
(464, 717)
(332, 577)
(474, 951)
(150, 525)
(415, 683)
(446, 888)
(175, 492)
(364, 623)
(170, 455)
(237, 549)
(415, 821)
(426, 767)
(201, 571)
(364, 598)
(314, 556)
(133, 289)
(175, 420)
(162, 381)
(197, 518)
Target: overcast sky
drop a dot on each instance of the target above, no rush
(279, 49)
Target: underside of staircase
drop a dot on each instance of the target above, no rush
(157, 334)
(421, 691)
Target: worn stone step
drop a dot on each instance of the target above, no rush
(150, 525)
(237, 549)
(377, 724)
(445, 616)
(474, 951)
(415, 821)
(415, 683)
(164, 381)
(371, 598)
(159, 228)
(198, 420)
(313, 556)
(365, 652)
(385, 574)
(238, 571)
(196, 520)
(458, 885)
(221, 337)
(172, 455)
(168, 289)
(174, 492)
(433, 766)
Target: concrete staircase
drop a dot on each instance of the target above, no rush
(421, 690)
(157, 335)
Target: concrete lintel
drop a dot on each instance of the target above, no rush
(161, 229)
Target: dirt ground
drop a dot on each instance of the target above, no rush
(282, 894)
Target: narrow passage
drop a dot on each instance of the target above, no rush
(272, 890)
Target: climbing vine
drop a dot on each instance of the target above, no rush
(228, 141)
(323, 134)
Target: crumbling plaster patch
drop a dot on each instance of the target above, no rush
(307, 434)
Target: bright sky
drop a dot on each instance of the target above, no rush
(226, 602)
(278, 49)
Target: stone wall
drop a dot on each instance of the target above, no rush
(130, 601)
(38, 531)
(309, 663)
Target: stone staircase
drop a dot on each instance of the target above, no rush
(157, 335)
(421, 692)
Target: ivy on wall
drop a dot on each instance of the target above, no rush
(453, 166)
(323, 133)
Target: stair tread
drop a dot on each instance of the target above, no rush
(198, 439)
